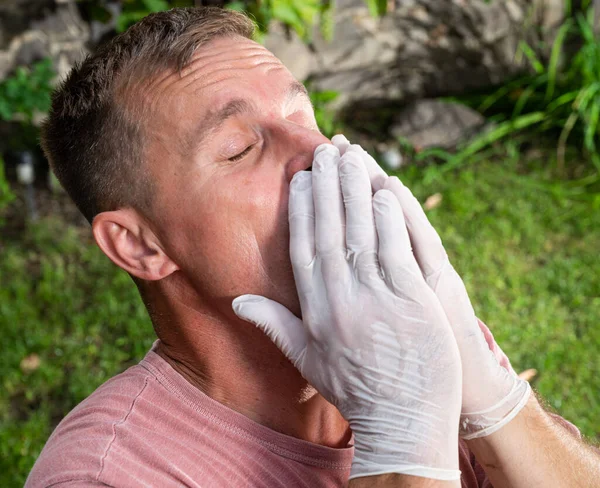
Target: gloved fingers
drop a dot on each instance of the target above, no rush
(427, 245)
(361, 239)
(329, 208)
(301, 212)
(377, 175)
(395, 255)
(277, 322)
(340, 141)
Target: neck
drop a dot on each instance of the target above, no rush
(235, 364)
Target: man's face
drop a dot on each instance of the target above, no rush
(227, 137)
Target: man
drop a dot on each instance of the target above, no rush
(178, 141)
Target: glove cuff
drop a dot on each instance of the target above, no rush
(359, 471)
(411, 453)
(481, 424)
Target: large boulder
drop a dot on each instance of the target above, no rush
(422, 48)
(434, 123)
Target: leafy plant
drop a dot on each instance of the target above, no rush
(299, 15)
(377, 7)
(27, 92)
(560, 99)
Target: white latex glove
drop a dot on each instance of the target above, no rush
(373, 340)
(492, 395)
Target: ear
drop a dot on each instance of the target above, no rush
(124, 236)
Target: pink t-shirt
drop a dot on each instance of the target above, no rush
(150, 427)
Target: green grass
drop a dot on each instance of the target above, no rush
(529, 258)
(64, 301)
(526, 250)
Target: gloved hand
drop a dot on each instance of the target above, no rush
(492, 394)
(373, 340)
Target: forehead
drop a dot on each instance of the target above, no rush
(222, 69)
(229, 57)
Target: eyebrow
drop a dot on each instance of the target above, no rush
(215, 119)
(296, 88)
(212, 122)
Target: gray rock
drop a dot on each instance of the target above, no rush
(434, 123)
(31, 30)
(291, 50)
(422, 48)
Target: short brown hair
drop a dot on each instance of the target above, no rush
(92, 140)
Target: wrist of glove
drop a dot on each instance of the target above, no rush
(492, 394)
(381, 448)
(476, 424)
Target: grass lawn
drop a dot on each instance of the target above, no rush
(527, 252)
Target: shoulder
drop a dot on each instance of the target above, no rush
(76, 450)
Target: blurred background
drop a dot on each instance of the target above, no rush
(488, 110)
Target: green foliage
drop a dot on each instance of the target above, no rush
(134, 10)
(528, 256)
(6, 195)
(298, 15)
(326, 119)
(326, 20)
(27, 91)
(377, 8)
(560, 99)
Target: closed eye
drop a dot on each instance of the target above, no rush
(239, 156)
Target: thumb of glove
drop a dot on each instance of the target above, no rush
(277, 322)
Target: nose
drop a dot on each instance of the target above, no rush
(296, 146)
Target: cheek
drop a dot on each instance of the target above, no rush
(267, 209)
(266, 213)
(236, 231)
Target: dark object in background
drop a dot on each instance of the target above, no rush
(31, 156)
(209, 3)
(26, 176)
